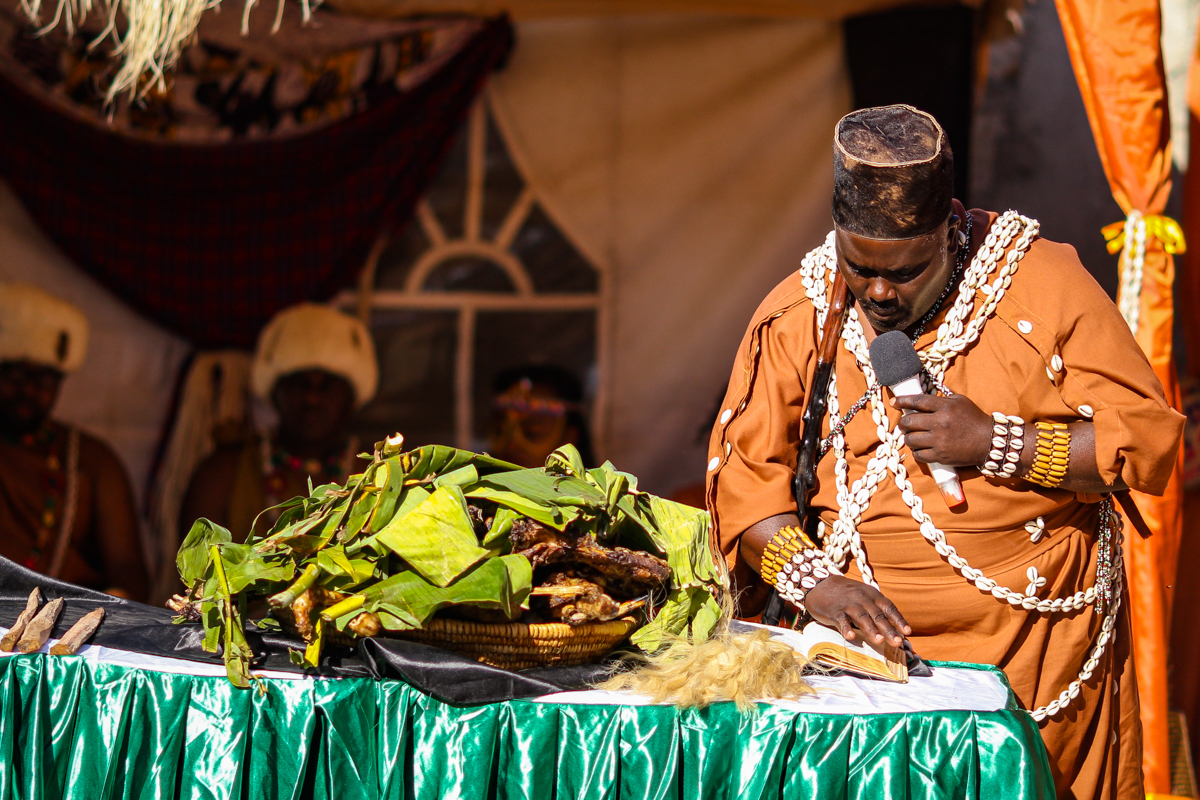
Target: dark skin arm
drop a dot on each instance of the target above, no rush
(853, 607)
(949, 430)
(956, 432)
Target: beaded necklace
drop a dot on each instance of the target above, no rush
(957, 332)
(60, 493)
(276, 460)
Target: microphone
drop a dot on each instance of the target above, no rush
(897, 366)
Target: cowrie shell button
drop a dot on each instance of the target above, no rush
(1025, 326)
(725, 415)
(728, 448)
(1086, 411)
(712, 463)
(1056, 362)
(1049, 374)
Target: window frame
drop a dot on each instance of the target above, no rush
(366, 298)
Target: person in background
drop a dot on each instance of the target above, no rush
(316, 366)
(66, 506)
(537, 409)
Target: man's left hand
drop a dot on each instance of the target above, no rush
(949, 430)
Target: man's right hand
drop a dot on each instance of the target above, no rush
(850, 606)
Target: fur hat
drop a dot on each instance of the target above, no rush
(36, 326)
(893, 173)
(309, 336)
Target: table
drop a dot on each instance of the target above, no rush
(110, 723)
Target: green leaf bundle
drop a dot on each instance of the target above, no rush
(399, 542)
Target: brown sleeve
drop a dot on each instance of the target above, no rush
(1103, 371)
(752, 451)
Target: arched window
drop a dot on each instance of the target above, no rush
(479, 281)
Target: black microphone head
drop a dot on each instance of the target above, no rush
(894, 359)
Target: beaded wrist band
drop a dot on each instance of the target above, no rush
(781, 549)
(794, 564)
(1008, 439)
(1053, 455)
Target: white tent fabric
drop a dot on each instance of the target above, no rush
(689, 159)
(687, 156)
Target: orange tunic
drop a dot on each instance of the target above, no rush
(1053, 310)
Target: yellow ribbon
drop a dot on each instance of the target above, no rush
(1165, 229)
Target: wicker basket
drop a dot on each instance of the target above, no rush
(510, 645)
(519, 645)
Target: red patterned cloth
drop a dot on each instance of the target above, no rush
(212, 240)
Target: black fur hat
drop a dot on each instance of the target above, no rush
(893, 173)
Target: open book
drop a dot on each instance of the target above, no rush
(826, 647)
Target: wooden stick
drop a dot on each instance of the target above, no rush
(557, 591)
(79, 633)
(37, 632)
(9, 642)
(814, 415)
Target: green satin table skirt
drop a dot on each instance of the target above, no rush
(73, 728)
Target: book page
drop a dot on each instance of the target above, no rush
(827, 647)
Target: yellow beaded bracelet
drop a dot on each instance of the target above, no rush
(787, 542)
(1052, 455)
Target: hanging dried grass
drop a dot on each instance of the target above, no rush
(743, 668)
(155, 33)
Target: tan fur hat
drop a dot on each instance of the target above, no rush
(36, 326)
(309, 336)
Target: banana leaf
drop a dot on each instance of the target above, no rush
(681, 532)
(344, 573)
(237, 650)
(437, 538)
(194, 556)
(687, 612)
(408, 511)
(501, 527)
(410, 498)
(437, 459)
(553, 500)
(360, 513)
(297, 536)
(501, 583)
(390, 480)
(245, 567)
(463, 476)
(549, 515)
(566, 460)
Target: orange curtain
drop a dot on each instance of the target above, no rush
(1117, 56)
(1185, 645)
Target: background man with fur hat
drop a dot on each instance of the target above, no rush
(66, 508)
(315, 365)
(1043, 402)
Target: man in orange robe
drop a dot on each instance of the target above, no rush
(1026, 574)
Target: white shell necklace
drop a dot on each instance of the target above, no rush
(958, 331)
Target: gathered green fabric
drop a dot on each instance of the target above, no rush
(73, 728)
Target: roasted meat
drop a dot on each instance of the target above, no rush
(306, 606)
(571, 597)
(628, 573)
